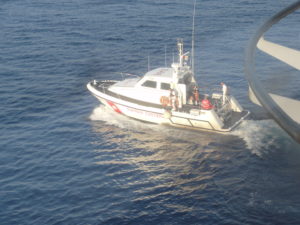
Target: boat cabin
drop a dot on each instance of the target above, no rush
(159, 82)
(155, 84)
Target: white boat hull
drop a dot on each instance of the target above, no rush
(203, 120)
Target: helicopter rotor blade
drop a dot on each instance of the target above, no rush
(288, 55)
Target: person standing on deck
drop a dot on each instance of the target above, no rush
(225, 92)
(196, 96)
(173, 98)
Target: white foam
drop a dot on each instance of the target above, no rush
(260, 135)
(107, 115)
(102, 113)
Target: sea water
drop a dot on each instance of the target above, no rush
(65, 159)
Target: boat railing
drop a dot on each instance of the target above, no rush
(125, 75)
(208, 90)
(103, 84)
(223, 109)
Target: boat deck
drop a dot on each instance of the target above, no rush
(234, 118)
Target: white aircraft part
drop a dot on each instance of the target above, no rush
(291, 57)
(288, 55)
(283, 110)
(253, 97)
(290, 106)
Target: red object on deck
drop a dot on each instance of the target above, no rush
(206, 104)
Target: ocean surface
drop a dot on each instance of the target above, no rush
(65, 159)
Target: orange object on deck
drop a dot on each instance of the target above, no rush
(164, 100)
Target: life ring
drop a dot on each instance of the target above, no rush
(165, 101)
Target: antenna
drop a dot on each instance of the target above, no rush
(193, 39)
(180, 51)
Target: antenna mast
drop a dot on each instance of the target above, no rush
(193, 39)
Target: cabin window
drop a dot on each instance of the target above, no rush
(149, 83)
(165, 86)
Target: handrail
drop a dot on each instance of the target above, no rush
(128, 75)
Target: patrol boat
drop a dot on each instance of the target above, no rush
(171, 96)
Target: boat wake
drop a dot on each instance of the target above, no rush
(102, 113)
(262, 135)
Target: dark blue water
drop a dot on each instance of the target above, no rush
(65, 160)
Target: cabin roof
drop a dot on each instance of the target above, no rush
(161, 72)
(127, 82)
